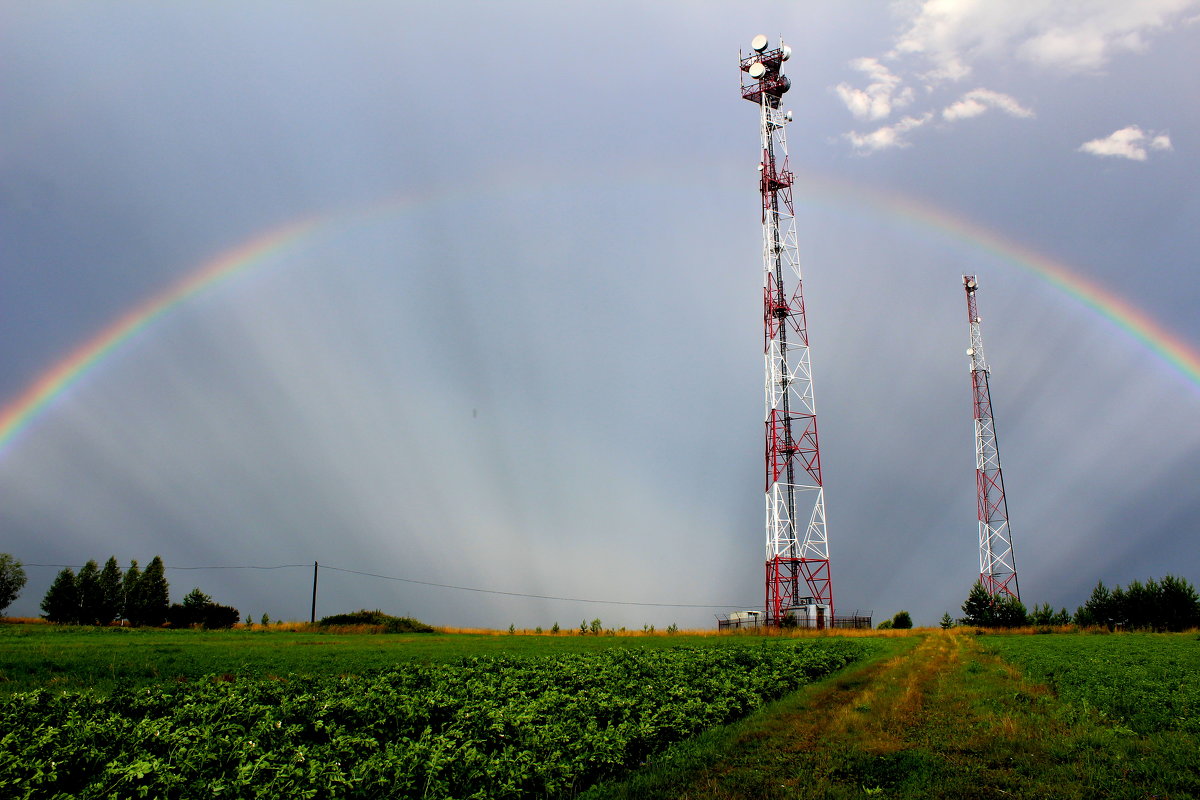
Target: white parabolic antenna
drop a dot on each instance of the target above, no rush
(757, 70)
(758, 43)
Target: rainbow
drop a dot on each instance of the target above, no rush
(22, 410)
(1162, 342)
(265, 248)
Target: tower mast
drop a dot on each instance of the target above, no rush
(797, 544)
(997, 565)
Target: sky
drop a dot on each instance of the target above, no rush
(468, 294)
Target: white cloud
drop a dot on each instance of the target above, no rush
(940, 41)
(1063, 35)
(882, 94)
(1129, 142)
(888, 136)
(977, 101)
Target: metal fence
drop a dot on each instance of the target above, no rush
(854, 621)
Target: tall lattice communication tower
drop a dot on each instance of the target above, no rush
(997, 564)
(797, 542)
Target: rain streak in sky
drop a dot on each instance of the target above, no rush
(485, 298)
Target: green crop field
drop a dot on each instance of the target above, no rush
(272, 713)
(1146, 682)
(498, 726)
(100, 659)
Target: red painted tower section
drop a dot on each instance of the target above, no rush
(798, 583)
(997, 563)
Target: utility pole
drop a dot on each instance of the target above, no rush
(312, 617)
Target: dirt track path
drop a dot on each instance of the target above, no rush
(942, 719)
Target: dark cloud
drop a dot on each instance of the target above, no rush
(541, 373)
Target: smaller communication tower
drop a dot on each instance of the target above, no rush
(997, 565)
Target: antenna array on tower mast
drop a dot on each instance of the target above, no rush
(797, 543)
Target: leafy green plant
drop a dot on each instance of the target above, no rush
(501, 727)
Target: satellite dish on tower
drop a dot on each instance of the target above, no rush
(758, 43)
(785, 53)
(757, 70)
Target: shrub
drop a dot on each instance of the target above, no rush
(199, 609)
(378, 619)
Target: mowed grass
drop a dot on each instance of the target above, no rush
(34, 656)
(938, 716)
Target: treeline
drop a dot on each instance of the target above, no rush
(104, 595)
(1170, 604)
(1167, 605)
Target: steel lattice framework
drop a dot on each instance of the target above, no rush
(797, 542)
(997, 564)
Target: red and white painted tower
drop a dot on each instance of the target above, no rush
(997, 565)
(797, 544)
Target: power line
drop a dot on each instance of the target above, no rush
(535, 596)
(442, 585)
(247, 566)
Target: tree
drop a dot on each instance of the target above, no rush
(902, 620)
(947, 621)
(110, 589)
(1041, 614)
(1180, 604)
(147, 595)
(978, 608)
(1098, 610)
(12, 580)
(1009, 612)
(129, 590)
(198, 608)
(61, 603)
(91, 594)
(886, 625)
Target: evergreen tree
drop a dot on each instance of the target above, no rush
(129, 593)
(1009, 612)
(12, 580)
(947, 621)
(61, 603)
(1138, 610)
(978, 608)
(1098, 610)
(91, 594)
(196, 599)
(153, 594)
(110, 588)
(1042, 615)
(1180, 604)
